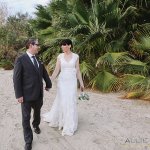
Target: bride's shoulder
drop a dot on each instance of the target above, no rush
(59, 55)
(76, 55)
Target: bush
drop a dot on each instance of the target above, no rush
(6, 64)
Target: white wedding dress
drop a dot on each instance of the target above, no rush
(63, 113)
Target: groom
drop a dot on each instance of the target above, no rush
(28, 86)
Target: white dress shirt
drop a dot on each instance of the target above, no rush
(30, 56)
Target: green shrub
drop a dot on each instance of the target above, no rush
(6, 64)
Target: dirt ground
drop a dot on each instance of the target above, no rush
(106, 122)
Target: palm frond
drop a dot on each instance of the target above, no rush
(136, 82)
(129, 11)
(51, 65)
(79, 29)
(113, 59)
(146, 95)
(135, 67)
(81, 13)
(134, 95)
(118, 45)
(104, 81)
(86, 69)
(48, 31)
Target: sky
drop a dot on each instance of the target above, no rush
(22, 5)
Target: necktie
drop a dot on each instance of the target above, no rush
(35, 62)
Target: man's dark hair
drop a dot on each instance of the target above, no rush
(30, 41)
(66, 41)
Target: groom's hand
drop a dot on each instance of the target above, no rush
(20, 99)
(47, 89)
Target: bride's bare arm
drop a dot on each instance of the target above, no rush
(56, 70)
(79, 75)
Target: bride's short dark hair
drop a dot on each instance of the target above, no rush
(66, 41)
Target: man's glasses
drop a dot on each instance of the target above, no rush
(37, 44)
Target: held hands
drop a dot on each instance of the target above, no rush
(20, 99)
(47, 89)
(82, 88)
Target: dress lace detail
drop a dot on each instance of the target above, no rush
(63, 113)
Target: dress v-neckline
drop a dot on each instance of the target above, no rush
(69, 60)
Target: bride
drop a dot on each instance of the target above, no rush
(63, 113)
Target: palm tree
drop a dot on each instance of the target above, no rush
(102, 32)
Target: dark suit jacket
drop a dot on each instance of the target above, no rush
(28, 81)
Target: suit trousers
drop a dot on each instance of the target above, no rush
(26, 115)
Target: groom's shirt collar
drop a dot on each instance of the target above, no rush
(29, 54)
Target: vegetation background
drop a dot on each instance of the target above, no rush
(112, 38)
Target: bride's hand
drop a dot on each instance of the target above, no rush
(82, 88)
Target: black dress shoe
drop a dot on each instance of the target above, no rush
(28, 146)
(37, 130)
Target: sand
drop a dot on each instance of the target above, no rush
(106, 122)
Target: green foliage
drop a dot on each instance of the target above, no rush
(112, 38)
(106, 34)
(135, 67)
(137, 86)
(136, 82)
(13, 36)
(86, 70)
(6, 64)
(104, 81)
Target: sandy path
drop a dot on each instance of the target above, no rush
(106, 122)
